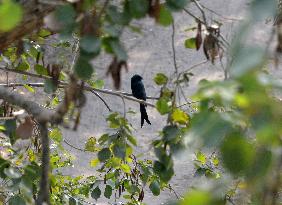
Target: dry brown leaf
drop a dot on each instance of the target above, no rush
(25, 129)
(115, 71)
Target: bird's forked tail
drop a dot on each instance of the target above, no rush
(144, 115)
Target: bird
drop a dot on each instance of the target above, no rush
(138, 91)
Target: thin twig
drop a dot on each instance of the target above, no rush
(65, 141)
(218, 14)
(173, 47)
(201, 10)
(103, 9)
(124, 108)
(224, 42)
(105, 103)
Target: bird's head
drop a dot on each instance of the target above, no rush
(136, 78)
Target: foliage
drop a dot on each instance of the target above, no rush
(239, 118)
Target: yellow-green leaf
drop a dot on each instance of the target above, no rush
(10, 15)
(125, 168)
(180, 116)
(94, 162)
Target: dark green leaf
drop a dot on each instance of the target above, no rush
(247, 59)
(119, 150)
(122, 18)
(118, 50)
(16, 200)
(108, 191)
(96, 193)
(138, 8)
(155, 188)
(3, 165)
(49, 86)
(83, 69)
(237, 154)
(176, 5)
(90, 44)
(10, 130)
(65, 14)
(209, 127)
(170, 133)
(72, 201)
(104, 154)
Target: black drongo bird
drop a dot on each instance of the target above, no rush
(138, 91)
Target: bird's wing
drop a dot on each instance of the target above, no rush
(138, 90)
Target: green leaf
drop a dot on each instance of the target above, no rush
(155, 188)
(118, 50)
(91, 145)
(56, 135)
(262, 9)
(131, 139)
(201, 157)
(10, 15)
(97, 84)
(125, 168)
(162, 106)
(122, 18)
(190, 43)
(195, 197)
(91, 44)
(40, 69)
(23, 66)
(94, 162)
(180, 116)
(119, 150)
(104, 154)
(12, 173)
(96, 193)
(261, 165)
(83, 69)
(16, 200)
(49, 86)
(247, 59)
(176, 5)
(3, 165)
(209, 127)
(72, 201)
(237, 154)
(170, 132)
(10, 130)
(160, 79)
(165, 17)
(29, 88)
(65, 14)
(138, 8)
(108, 191)
(103, 139)
(44, 33)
